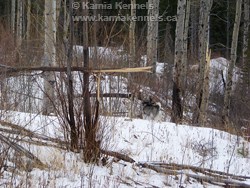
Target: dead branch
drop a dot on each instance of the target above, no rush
(22, 151)
(17, 129)
(175, 166)
(206, 178)
(11, 70)
(174, 169)
(115, 95)
(30, 139)
(210, 176)
(214, 179)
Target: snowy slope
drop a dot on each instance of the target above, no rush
(144, 141)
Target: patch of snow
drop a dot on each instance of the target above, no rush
(218, 74)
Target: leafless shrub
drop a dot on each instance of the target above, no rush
(205, 149)
(4, 152)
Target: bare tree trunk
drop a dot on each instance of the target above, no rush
(58, 7)
(168, 46)
(194, 14)
(152, 33)
(245, 31)
(13, 15)
(28, 20)
(95, 33)
(177, 108)
(19, 29)
(233, 57)
(19, 22)
(202, 118)
(49, 55)
(70, 92)
(132, 32)
(205, 88)
(132, 50)
(245, 46)
(205, 7)
(228, 30)
(91, 146)
(184, 61)
(66, 20)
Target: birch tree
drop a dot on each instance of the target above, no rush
(132, 47)
(49, 54)
(13, 15)
(205, 88)
(177, 106)
(205, 7)
(233, 57)
(152, 33)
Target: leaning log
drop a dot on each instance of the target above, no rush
(23, 152)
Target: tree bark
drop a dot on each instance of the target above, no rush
(19, 30)
(28, 20)
(49, 55)
(91, 145)
(132, 33)
(245, 31)
(184, 61)
(70, 117)
(13, 15)
(233, 57)
(96, 27)
(205, 7)
(152, 33)
(205, 88)
(194, 14)
(177, 108)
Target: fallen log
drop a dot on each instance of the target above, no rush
(207, 171)
(206, 178)
(118, 155)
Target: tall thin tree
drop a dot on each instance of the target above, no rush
(13, 15)
(245, 30)
(184, 61)
(49, 54)
(152, 33)
(177, 106)
(132, 31)
(28, 16)
(68, 43)
(91, 145)
(205, 8)
(233, 57)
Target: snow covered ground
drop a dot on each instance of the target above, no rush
(143, 140)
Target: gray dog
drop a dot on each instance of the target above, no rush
(151, 110)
